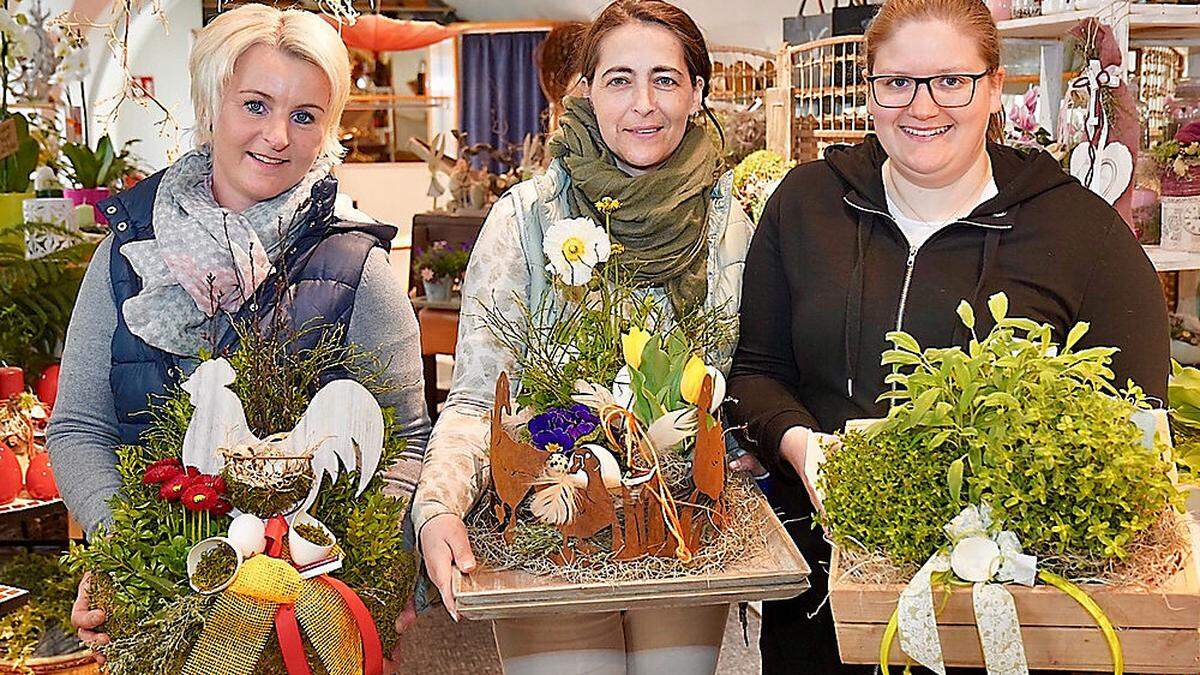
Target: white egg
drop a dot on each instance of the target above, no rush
(248, 534)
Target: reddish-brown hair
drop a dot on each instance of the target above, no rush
(971, 16)
(658, 13)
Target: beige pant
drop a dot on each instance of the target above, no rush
(679, 641)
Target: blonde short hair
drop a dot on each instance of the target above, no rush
(303, 35)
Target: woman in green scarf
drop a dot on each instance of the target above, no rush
(645, 68)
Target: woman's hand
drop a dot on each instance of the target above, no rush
(794, 448)
(750, 465)
(408, 616)
(444, 545)
(86, 619)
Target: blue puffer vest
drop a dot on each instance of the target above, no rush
(322, 268)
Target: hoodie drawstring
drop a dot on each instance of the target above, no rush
(991, 242)
(854, 299)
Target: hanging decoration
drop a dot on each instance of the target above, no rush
(1104, 161)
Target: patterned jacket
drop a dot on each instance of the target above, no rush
(508, 269)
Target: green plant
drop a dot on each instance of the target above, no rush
(37, 298)
(1034, 430)
(103, 167)
(441, 261)
(139, 561)
(1174, 156)
(15, 169)
(888, 494)
(1183, 394)
(47, 615)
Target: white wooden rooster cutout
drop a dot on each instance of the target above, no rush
(342, 427)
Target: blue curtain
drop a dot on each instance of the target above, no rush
(501, 98)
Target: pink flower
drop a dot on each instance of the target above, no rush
(426, 274)
(1189, 133)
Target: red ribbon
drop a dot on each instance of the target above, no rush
(290, 642)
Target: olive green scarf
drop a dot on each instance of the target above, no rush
(663, 218)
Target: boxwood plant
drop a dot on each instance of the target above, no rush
(1035, 429)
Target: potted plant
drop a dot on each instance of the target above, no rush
(14, 172)
(96, 172)
(440, 267)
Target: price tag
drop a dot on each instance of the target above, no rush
(9, 144)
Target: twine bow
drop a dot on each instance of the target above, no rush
(268, 592)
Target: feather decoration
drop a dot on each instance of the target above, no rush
(555, 502)
(592, 395)
(672, 428)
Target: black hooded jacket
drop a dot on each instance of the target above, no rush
(829, 274)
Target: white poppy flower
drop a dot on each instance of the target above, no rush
(574, 247)
(975, 559)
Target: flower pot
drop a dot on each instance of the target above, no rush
(438, 290)
(1181, 223)
(91, 196)
(58, 212)
(305, 552)
(11, 208)
(1187, 185)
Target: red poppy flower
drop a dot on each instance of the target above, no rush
(199, 497)
(174, 487)
(161, 471)
(221, 507)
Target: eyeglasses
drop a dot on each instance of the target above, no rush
(951, 90)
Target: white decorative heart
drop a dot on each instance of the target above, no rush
(1112, 173)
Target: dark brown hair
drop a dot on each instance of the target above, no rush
(657, 13)
(971, 16)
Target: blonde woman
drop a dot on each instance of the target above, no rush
(208, 241)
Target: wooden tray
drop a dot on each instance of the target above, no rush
(779, 573)
(1159, 631)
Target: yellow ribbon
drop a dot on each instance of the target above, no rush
(241, 621)
(1098, 615)
(1074, 592)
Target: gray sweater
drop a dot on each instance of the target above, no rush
(82, 437)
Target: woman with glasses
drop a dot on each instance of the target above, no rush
(890, 235)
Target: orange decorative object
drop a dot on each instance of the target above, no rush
(11, 482)
(515, 466)
(595, 509)
(39, 477)
(708, 459)
(378, 33)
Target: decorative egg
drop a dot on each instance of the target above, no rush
(39, 477)
(47, 385)
(11, 476)
(247, 532)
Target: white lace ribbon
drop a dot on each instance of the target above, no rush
(995, 610)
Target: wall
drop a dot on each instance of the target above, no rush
(153, 51)
(392, 193)
(757, 24)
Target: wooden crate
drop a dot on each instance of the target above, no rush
(1159, 631)
(779, 573)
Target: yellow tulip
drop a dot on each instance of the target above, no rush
(693, 379)
(633, 344)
